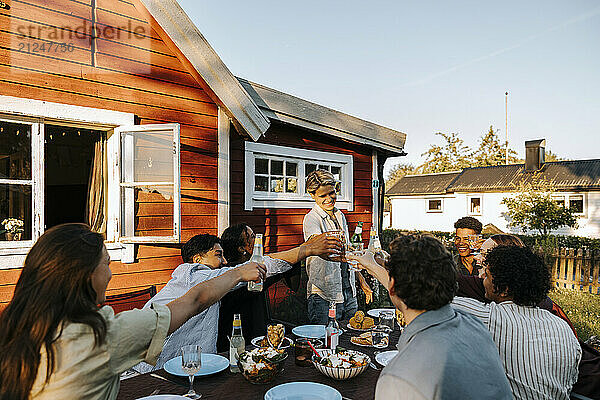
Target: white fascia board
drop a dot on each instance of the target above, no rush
(64, 112)
(196, 49)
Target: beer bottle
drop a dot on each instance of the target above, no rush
(257, 257)
(237, 344)
(357, 237)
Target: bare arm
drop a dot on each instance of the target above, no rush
(368, 263)
(205, 294)
(317, 245)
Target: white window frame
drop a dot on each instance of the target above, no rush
(38, 113)
(128, 207)
(427, 200)
(469, 198)
(566, 197)
(345, 200)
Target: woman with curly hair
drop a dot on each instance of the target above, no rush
(56, 342)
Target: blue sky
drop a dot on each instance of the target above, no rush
(428, 66)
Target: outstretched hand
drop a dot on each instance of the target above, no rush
(323, 245)
(252, 272)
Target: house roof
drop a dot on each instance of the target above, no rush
(423, 184)
(563, 175)
(290, 109)
(184, 38)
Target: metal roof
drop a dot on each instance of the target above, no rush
(563, 175)
(283, 107)
(423, 184)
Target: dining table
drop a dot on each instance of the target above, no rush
(227, 385)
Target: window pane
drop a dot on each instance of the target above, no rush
(276, 167)
(576, 204)
(559, 201)
(308, 168)
(292, 185)
(277, 185)
(261, 166)
(291, 168)
(337, 173)
(435, 205)
(324, 167)
(15, 151)
(154, 211)
(152, 156)
(261, 184)
(475, 205)
(15, 203)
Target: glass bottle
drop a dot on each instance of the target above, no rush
(257, 257)
(374, 243)
(332, 331)
(357, 236)
(237, 344)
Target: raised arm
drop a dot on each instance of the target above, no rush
(205, 294)
(317, 245)
(367, 262)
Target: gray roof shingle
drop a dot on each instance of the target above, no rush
(563, 175)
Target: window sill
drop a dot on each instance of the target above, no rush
(14, 256)
(271, 203)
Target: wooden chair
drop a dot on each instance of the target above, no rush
(131, 300)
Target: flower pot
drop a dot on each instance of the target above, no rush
(13, 236)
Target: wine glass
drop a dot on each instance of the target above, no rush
(191, 362)
(355, 249)
(473, 241)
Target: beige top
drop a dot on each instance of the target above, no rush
(84, 371)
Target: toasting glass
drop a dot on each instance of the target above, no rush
(191, 362)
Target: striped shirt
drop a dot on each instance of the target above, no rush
(539, 351)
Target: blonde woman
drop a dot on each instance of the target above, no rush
(329, 280)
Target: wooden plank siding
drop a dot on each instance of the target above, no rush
(134, 74)
(283, 227)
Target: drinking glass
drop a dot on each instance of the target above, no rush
(381, 338)
(355, 249)
(473, 241)
(386, 320)
(191, 362)
(339, 235)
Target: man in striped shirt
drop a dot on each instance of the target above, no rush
(539, 350)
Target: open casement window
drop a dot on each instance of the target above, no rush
(149, 177)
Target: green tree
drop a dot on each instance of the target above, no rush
(453, 155)
(491, 152)
(550, 156)
(397, 172)
(533, 208)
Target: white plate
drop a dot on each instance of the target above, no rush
(287, 342)
(310, 331)
(163, 397)
(211, 364)
(302, 391)
(375, 312)
(384, 358)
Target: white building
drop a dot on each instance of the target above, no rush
(434, 202)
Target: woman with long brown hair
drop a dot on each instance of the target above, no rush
(56, 342)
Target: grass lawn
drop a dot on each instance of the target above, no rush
(583, 309)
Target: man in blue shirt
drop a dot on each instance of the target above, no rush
(443, 353)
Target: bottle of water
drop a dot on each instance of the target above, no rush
(237, 344)
(257, 257)
(332, 331)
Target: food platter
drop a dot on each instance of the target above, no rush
(256, 342)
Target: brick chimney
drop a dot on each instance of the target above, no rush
(535, 154)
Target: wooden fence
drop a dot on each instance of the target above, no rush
(575, 269)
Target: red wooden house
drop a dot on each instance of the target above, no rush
(118, 113)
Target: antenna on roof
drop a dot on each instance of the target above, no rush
(506, 125)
